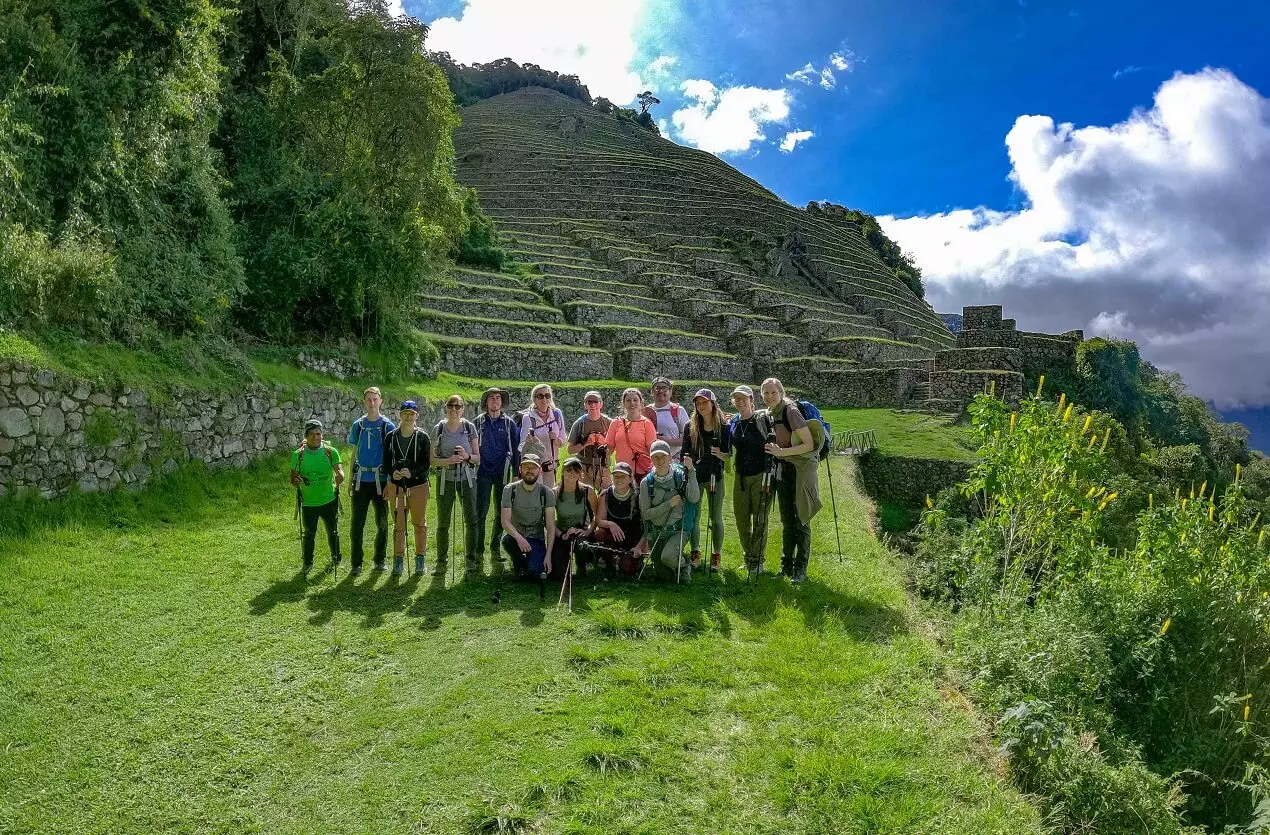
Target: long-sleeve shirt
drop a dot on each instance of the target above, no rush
(550, 430)
(699, 449)
(500, 441)
(656, 509)
(413, 454)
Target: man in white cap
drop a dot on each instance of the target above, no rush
(529, 520)
(586, 441)
(667, 498)
(668, 416)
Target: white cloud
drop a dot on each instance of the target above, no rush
(827, 81)
(791, 140)
(1123, 71)
(661, 64)
(595, 41)
(804, 75)
(841, 61)
(396, 9)
(1153, 229)
(729, 120)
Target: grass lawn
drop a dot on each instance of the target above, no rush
(163, 668)
(912, 434)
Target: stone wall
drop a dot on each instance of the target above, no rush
(907, 481)
(1045, 353)
(864, 388)
(975, 359)
(962, 386)
(525, 362)
(57, 432)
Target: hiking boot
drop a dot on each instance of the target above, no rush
(418, 563)
(695, 559)
(379, 565)
(714, 563)
(440, 569)
(336, 560)
(306, 568)
(398, 566)
(800, 573)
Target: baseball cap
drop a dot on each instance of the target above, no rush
(312, 423)
(409, 406)
(530, 458)
(662, 380)
(745, 390)
(592, 395)
(706, 393)
(659, 447)
(623, 467)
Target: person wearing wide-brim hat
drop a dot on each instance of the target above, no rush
(316, 473)
(664, 496)
(498, 437)
(407, 459)
(528, 512)
(708, 441)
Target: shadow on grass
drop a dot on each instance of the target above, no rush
(619, 608)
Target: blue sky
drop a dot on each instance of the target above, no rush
(1074, 161)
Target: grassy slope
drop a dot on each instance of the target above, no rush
(912, 434)
(164, 670)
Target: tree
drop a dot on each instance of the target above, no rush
(647, 100)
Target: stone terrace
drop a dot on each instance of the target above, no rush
(629, 239)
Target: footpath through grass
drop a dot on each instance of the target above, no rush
(163, 668)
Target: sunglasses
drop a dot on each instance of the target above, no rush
(541, 396)
(454, 406)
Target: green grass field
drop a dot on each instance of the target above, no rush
(164, 669)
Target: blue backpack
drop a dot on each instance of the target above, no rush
(822, 433)
(690, 508)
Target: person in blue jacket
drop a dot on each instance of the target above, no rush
(366, 436)
(499, 441)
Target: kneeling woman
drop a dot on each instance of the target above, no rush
(407, 457)
(577, 508)
(619, 528)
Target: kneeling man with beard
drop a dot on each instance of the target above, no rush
(529, 521)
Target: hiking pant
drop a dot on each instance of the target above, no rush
(715, 500)
(668, 550)
(795, 534)
(364, 495)
(330, 519)
(465, 495)
(747, 505)
(489, 491)
(527, 566)
(411, 502)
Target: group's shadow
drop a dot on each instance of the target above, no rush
(708, 603)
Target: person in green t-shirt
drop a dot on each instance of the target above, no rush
(316, 474)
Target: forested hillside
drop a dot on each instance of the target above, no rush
(274, 168)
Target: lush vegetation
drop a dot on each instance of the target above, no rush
(285, 169)
(473, 82)
(1122, 653)
(220, 692)
(900, 262)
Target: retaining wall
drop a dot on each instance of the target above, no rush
(907, 481)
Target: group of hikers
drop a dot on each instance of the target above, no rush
(632, 488)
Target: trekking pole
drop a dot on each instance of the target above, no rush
(454, 499)
(567, 581)
(710, 522)
(833, 502)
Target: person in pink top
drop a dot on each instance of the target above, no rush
(631, 436)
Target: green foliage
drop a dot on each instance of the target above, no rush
(109, 189)
(482, 81)
(1144, 632)
(479, 246)
(901, 263)
(339, 142)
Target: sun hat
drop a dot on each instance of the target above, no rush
(489, 392)
(659, 447)
(706, 393)
(659, 380)
(592, 395)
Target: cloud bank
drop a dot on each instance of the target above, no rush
(1156, 229)
(595, 41)
(730, 120)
